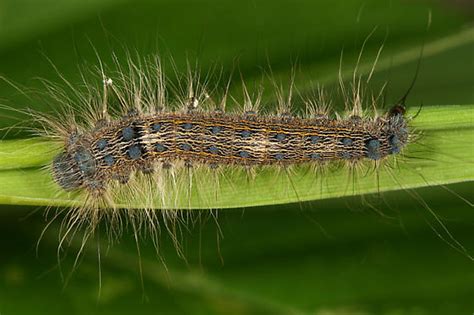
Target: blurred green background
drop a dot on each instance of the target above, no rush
(326, 257)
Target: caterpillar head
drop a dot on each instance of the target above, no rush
(397, 110)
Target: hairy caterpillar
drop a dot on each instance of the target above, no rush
(146, 141)
(132, 142)
(152, 144)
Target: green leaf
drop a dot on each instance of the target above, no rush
(441, 158)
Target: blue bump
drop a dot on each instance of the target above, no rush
(134, 151)
(346, 155)
(101, 144)
(216, 129)
(315, 139)
(82, 155)
(187, 126)
(245, 133)
(85, 161)
(315, 156)
(346, 141)
(279, 156)
(160, 148)
(66, 176)
(109, 160)
(213, 149)
(244, 154)
(128, 133)
(394, 140)
(373, 149)
(185, 147)
(280, 136)
(395, 144)
(395, 150)
(156, 127)
(373, 144)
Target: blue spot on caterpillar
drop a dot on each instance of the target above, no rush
(280, 137)
(156, 127)
(66, 174)
(373, 149)
(159, 147)
(128, 133)
(213, 149)
(85, 161)
(245, 133)
(109, 160)
(244, 154)
(101, 144)
(216, 129)
(187, 126)
(134, 152)
(279, 156)
(185, 147)
(314, 139)
(346, 142)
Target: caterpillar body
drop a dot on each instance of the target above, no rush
(138, 141)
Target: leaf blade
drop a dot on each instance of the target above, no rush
(440, 161)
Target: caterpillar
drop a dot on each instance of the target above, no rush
(140, 147)
(145, 141)
(134, 140)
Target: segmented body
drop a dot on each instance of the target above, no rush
(137, 142)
